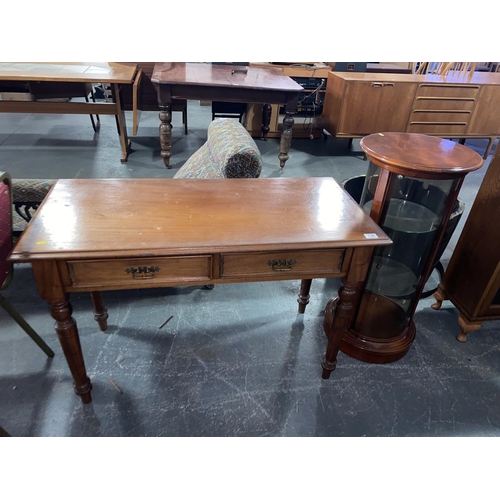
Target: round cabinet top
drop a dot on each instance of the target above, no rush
(418, 155)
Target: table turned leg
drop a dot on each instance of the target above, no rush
(266, 120)
(304, 296)
(100, 311)
(166, 133)
(286, 139)
(338, 318)
(67, 332)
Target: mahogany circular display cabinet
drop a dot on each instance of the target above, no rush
(410, 190)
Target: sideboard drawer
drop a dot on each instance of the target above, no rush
(135, 272)
(273, 264)
(442, 129)
(439, 116)
(439, 104)
(443, 90)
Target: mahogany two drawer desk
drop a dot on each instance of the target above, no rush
(112, 234)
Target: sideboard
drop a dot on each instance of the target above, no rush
(454, 106)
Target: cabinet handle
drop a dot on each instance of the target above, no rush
(282, 264)
(382, 84)
(142, 272)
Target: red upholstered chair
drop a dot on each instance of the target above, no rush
(6, 268)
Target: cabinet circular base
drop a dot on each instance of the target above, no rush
(372, 350)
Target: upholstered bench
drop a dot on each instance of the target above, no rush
(229, 152)
(27, 194)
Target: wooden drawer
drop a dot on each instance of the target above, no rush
(437, 90)
(433, 117)
(296, 263)
(443, 129)
(434, 104)
(134, 272)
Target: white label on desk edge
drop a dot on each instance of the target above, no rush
(371, 236)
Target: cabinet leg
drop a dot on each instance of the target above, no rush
(100, 311)
(304, 296)
(488, 148)
(439, 295)
(466, 327)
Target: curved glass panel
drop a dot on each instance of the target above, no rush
(411, 217)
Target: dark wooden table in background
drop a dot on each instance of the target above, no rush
(214, 82)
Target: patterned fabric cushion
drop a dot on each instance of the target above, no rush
(230, 152)
(18, 223)
(27, 194)
(30, 190)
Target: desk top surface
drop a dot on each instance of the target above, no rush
(218, 75)
(103, 218)
(68, 72)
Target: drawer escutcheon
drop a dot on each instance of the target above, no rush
(282, 264)
(142, 272)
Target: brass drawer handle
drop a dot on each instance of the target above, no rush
(142, 272)
(282, 264)
(376, 84)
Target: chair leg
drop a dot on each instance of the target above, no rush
(27, 328)
(96, 116)
(91, 117)
(185, 120)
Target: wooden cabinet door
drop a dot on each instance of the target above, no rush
(370, 107)
(485, 118)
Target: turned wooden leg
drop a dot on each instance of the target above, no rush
(303, 299)
(338, 318)
(439, 295)
(266, 120)
(100, 311)
(166, 133)
(67, 332)
(286, 139)
(466, 327)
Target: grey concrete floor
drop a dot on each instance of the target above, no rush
(236, 360)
